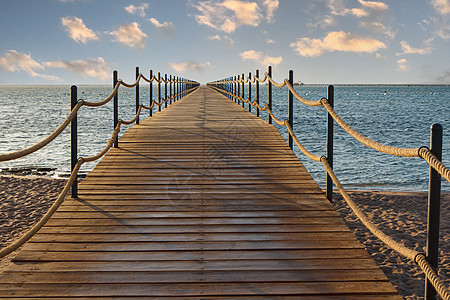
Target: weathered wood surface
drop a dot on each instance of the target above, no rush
(201, 201)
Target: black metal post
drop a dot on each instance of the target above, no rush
(235, 90)
(291, 108)
(159, 90)
(151, 92)
(330, 123)
(269, 72)
(238, 89)
(115, 107)
(243, 92)
(257, 93)
(137, 94)
(177, 91)
(165, 91)
(73, 139)
(250, 92)
(434, 203)
(170, 89)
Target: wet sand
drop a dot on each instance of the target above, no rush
(401, 215)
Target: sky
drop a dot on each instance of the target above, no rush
(322, 41)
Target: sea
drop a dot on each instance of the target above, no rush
(395, 115)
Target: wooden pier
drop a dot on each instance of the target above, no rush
(203, 201)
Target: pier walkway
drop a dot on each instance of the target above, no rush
(202, 200)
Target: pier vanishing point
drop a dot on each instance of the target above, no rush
(203, 200)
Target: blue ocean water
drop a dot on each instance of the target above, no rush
(393, 115)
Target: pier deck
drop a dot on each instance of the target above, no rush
(203, 200)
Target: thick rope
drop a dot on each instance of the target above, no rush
(423, 152)
(434, 162)
(44, 142)
(300, 98)
(146, 79)
(441, 289)
(106, 100)
(132, 84)
(18, 243)
(278, 85)
(135, 117)
(413, 255)
(406, 152)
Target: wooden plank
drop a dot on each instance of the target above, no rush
(203, 200)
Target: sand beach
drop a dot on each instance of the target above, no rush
(399, 214)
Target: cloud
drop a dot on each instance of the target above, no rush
(336, 41)
(271, 6)
(379, 28)
(188, 66)
(373, 9)
(441, 6)
(166, 28)
(261, 58)
(407, 49)
(402, 64)
(228, 15)
(225, 39)
(270, 41)
(137, 10)
(14, 61)
(77, 30)
(130, 35)
(96, 68)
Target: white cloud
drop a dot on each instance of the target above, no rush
(130, 35)
(137, 10)
(228, 15)
(166, 28)
(407, 49)
(336, 41)
(77, 30)
(368, 8)
(271, 6)
(261, 58)
(14, 61)
(96, 68)
(402, 64)
(188, 66)
(441, 6)
(225, 39)
(270, 41)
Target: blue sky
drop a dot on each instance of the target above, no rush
(323, 41)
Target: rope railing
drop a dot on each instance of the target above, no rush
(184, 87)
(231, 87)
